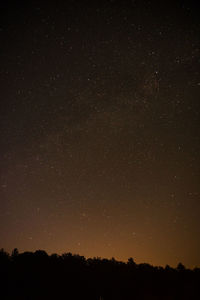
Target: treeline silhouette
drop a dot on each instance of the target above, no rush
(38, 276)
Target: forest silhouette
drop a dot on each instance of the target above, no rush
(37, 275)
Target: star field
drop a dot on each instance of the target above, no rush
(99, 139)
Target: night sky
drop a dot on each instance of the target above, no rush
(99, 129)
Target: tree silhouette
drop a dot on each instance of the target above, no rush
(36, 275)
(15, 252)
(180, 267)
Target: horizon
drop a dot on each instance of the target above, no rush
(118, 259)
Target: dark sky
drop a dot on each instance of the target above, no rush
(99, 129)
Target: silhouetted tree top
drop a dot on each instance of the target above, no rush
(44, 276)
(131, 262)
(180, 267)
(15, 252)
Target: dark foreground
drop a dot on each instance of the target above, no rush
(29, 276)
